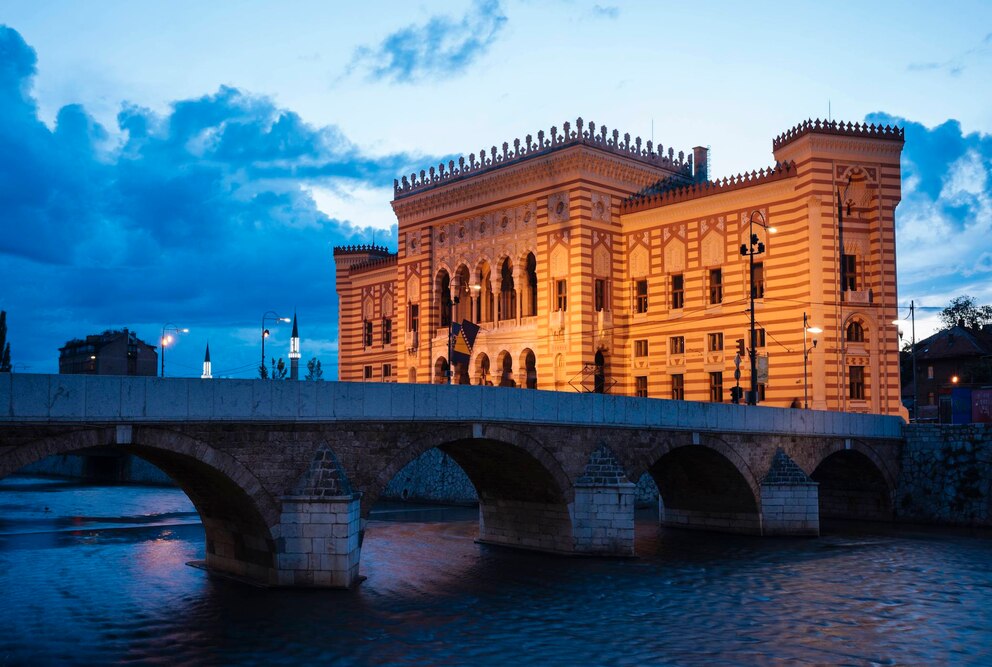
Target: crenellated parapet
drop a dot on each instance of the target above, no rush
(364, 249)
(862, 130)
(655, 197)
(589, 135)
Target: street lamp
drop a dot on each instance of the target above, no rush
(167, 340)
(275, 317)
(806, 350)
(912, 352)
(750, 249)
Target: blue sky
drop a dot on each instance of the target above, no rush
(194, 163)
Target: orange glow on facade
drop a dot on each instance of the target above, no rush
(591, 261)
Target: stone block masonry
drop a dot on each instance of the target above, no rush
(319, 542)
(946, 475)
(283, 478)
(789, 500)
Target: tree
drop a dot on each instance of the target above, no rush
(4, 345)
(278, 369)
(965, 309)
(314, 372)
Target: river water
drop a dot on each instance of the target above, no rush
(97, 575)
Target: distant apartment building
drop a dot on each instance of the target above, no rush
(592, 261)
(113, 352)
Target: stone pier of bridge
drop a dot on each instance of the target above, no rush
(284, 474)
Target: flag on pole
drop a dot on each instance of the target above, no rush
(463, 339)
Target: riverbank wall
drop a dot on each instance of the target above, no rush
(946, 475)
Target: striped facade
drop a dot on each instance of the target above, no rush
(592, 263)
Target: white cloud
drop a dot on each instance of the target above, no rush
(355, 202)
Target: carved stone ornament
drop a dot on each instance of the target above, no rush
(413, 289)
(639, 262)
(559, 262)
(675, 256)
(601, 261)
(558, 207)
(601, 207)
(387, 304)
(367, 308)
(712, 249)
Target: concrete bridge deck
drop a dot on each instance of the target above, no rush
(284, 474)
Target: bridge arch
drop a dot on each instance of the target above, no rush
(524, 493)
(703, 482)
(854, 482)
(240, 519)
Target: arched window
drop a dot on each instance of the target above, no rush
(529, 362)
(507, 294)
(531, 285)
(855, 332)
(444, 286)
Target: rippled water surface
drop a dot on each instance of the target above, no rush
(95, 575)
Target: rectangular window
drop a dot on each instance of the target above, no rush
(387, 331)
(850, 273)
(929, 372)
(856, 378)
(641, 386)
(368, 372)
(676, 345)
(641, 348)
(413, 323)
(678, 387)
(760, 335)
(716, 387)
(387, 371)
(716, 286)
(678, 291)
(758, 286)
(641, 296)
(714, 342)
(367, 335)
(761, 392)
(599, 294)
(561, 295)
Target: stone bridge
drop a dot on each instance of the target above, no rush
(283, 474)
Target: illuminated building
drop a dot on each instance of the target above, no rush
(594, 262)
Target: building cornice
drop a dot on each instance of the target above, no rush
(708, 188)
(529, 149)
(839, 128)
(523, 178)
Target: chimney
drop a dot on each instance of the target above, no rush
(700, 156)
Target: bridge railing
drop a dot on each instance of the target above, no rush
(119, 399)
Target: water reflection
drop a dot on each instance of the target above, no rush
(109, 589)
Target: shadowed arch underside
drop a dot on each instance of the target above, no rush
(237, 515)
(521, 502)
(700, 488)
(852, 487)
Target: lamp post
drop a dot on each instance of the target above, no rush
(750, 249)
(912, 352)
(165, 340)
(275, 317)
(806, 350)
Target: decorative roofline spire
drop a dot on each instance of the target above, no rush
(582, 134)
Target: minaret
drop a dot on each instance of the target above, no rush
(294, 352)
(206, 365)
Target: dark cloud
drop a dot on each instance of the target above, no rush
(944, 222)
(440, 48)
(201, 214)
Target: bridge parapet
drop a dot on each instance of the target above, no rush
(121, 399)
